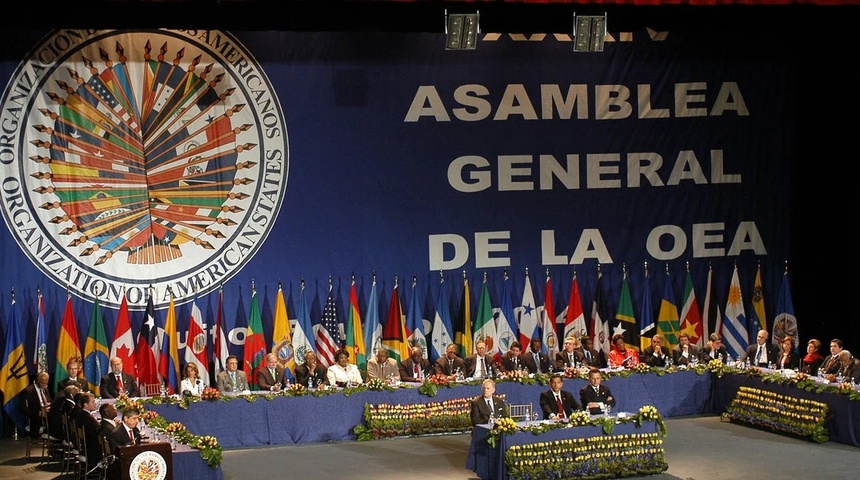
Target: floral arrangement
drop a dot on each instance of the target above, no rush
(296, 389)
(211, 394)
(395, 420)
(649, 412)
(589, 458)
(779, 413)
(174, 428)
(642, 368)
(124, 402)
(432, 383)
(375, 384)
(573, 372)
(209, 449)
(579, 418)
(148, 415)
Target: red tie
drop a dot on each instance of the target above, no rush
(119, 383)
(560, 405)
(417, 373)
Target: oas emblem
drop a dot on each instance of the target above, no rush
(148, 465)
(137, 158)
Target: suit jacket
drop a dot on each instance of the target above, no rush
(384, 371)
(792, 361)
(852, 370)
(110, 389)
(588, 395)
(563, 360)
(721, 354)
(593, 359)
(550, 406)
(222, 380)
(511, 363)
(442, 366)
(266, 381)
(407, 370)
(812, 367)
(31, 406)
(106, 428)
(119, 437)
(60, 408)
(80, 382)
(771, 351)
(92, 437)
(831, 364)
(480, 411)
(311, 379)
(532, 366)
(654, 360)
(472, 365)
(680, 359)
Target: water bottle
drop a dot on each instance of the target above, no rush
(747, 363)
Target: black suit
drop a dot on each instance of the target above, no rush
(656, 359)
(31, 406)
(444, 367)
(79, 382)
(831, 364)
(721, 354)
(603, 394)
(768, 357)
(679, 358)
(407, 370)
(564, 360)
(120, 438)
(792, 361)
(472, 365)
(549, 404)
(110, 389)
(511, 363)
(532, 366)
(480, 411)
(92, 437)
(593, 358)
(305, 377)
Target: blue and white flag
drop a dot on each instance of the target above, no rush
(735, 333)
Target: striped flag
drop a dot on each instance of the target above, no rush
(415, 321)
(40, 352)
(712, 318)
(506, 327)
(441, 334)
(145, 354)
(394, 331)
(758, 319)
(13, 375)
(325, 331)
(168, 368)
(691, 319)
(600, 333)
(196, 350)
(354, 331)
(255, 342)
(303, 335)
(282, 336)
(69, 344)
(547, 322)
(123, 340)
(735, 333)
(463, 331)
(96, 363)
(485, 326)
(574, 316)
(220, 352)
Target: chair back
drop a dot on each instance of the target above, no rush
(522, 412)
(150, 389)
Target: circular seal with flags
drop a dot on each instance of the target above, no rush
(136, 158)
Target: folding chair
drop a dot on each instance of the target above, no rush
(521, 413)
(150, 389)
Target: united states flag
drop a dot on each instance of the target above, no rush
(326, 332)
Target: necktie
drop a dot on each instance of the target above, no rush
(560, 405)
(119, 383)
(758, 355)
(43, 398)
(588, 356)
(233, 377)
(417, 372)
(450, 367)
(490, 404)
(537, 363)
(570, 359)
(482, 369)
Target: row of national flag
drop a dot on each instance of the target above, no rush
(152, 355)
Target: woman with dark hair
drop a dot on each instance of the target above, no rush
(343, 373)
(620, 356)
(787, 358)
(810, 363)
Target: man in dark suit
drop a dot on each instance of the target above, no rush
(416, 367)
(656, 354)
(594, 394)
(590, 356)
(117, 382)
(511, 361)
(555, 402)
(762, 353)
(76, 378)
(92, 440)
(271, 378)
(450, 363)
(535, 360)
(310, 374)
(126, 433)
(109, 419)
(487, 404)
(480, 364)
(62, 405)
(568, 357)
(35, 402)
(831, 362)
(714, 350)
(684, 352)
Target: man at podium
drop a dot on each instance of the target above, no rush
(126, 433)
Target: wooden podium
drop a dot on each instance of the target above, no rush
(145, 461)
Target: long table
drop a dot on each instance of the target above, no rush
(843, 422)
(240, 423)
(488, 462)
